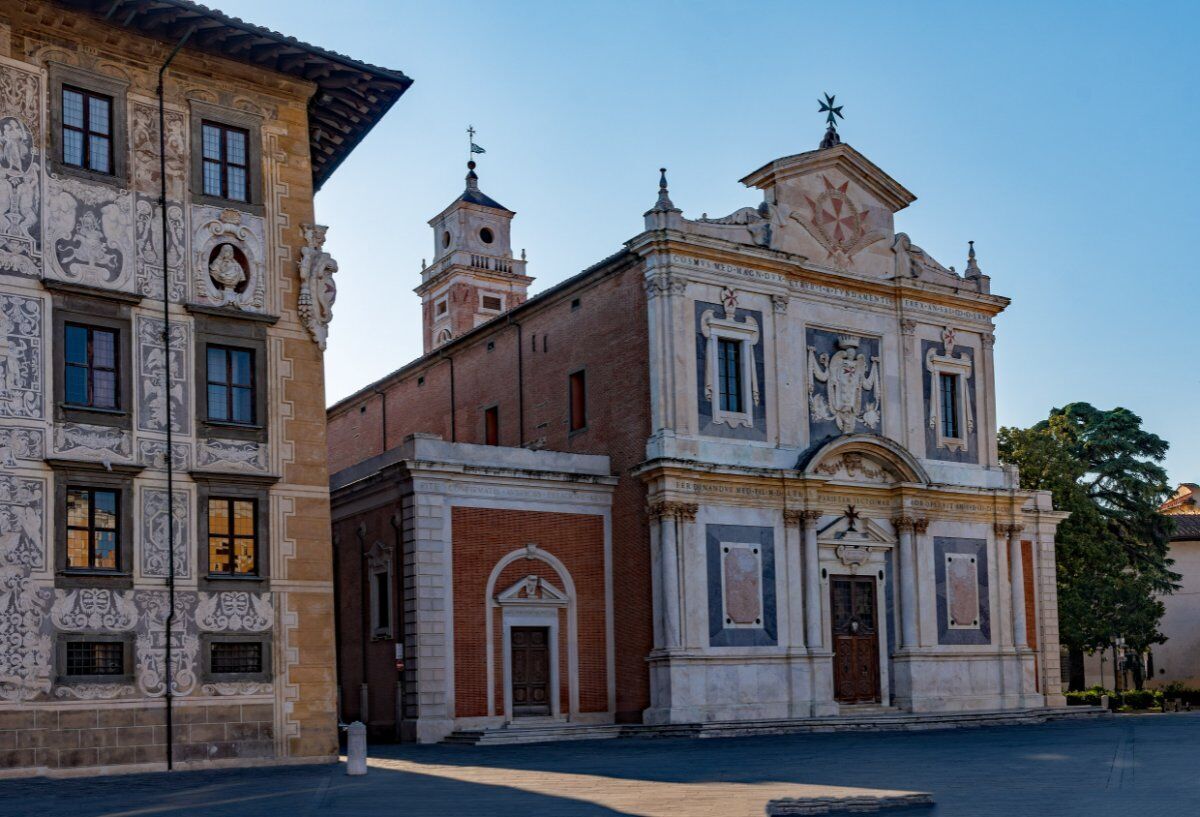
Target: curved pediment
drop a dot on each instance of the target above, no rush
(865, 458)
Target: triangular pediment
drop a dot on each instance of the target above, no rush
(533, 590)
(840, 162)
(866, 532)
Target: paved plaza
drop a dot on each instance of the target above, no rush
(1116, 766)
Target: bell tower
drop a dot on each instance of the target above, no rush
(473, 277)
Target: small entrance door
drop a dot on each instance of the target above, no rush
(530, 670)
(855, 639)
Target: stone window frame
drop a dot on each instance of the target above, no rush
(234, 486)
(61, 74)
(201, 112)
(61, 639)
(217, 328)
(101, 309)
(747, 333)
(208, 676)
(379, 561)
(491, 294)
(963, 368)
(83, 474)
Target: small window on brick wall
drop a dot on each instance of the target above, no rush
(491, 426)
(578, 401)
(491, 303)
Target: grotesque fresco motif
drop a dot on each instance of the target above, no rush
(25, 643)
(144, 137)
(317, 288)
(96, 443)
(234, 612)
(89, 228)
(236, 456)
(20, 357)
(154, 533)
(153, 454)
(149, 248)
(18, 443)
(20, 172)
(844, 382)
(152, 377)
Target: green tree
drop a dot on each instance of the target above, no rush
(1103, 468)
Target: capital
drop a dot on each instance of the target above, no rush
(921, 524)
(904, 524)
(665, 509)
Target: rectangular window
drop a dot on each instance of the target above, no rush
(441, 307)
(383, 602)
(92, 529)
(729, 374)
(95, 658)
(90, 367)
(235, 657)
(578, 391)
(491, 303)
(225, 162)
(232, 537)
(491, 426)
(230, 385)
(948, 385)
(87, 135)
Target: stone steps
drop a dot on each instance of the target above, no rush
(883, 720)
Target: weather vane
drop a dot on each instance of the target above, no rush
(471, 136)
(833, 114)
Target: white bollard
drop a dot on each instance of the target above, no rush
(356, 748)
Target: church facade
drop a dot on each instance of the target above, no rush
(803, 512)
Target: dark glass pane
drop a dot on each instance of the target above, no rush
(240, 361)
(235, 147)
(243, 557)
(212, 178)
(384, 610)
(212, 142)
(243, 517)
(98, 154)
(104, 344)
(73, 147)
(216, 365)
(104, 389)
(106, 550)
(77, 507)
(76, 351)
(227, 657)
(75, 390)
(218, 516)
(236, 178)
(218, 403)
(95, 658)
(98, 110)
(243, 406)
(72, 108)
(77, 549)
(106, 509)
(218, 554)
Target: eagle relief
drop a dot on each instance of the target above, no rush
(839, 383)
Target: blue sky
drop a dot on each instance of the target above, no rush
(1060, 137)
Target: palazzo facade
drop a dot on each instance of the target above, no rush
(165, 596)
(808, 515)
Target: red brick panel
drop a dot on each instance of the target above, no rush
(481, 537)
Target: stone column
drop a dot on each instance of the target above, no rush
(812, 582)
(672, 518)
(1003, 617)
(1017, 570)
(908, 582)
(685, 532)
(792, 525)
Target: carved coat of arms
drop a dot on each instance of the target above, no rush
(846, 377)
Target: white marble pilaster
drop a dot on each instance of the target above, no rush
(1017, 569)
(905, 526)
(814, 632)
(793, 522)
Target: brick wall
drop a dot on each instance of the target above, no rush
(482, 536)
(605, 334)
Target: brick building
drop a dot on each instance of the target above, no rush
(808, 514)
(133, 636)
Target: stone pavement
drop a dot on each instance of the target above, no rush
(1118, 766)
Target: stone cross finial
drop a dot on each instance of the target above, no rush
(834, 113)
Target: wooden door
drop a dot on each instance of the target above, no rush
(855, 639)
(530, 670)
